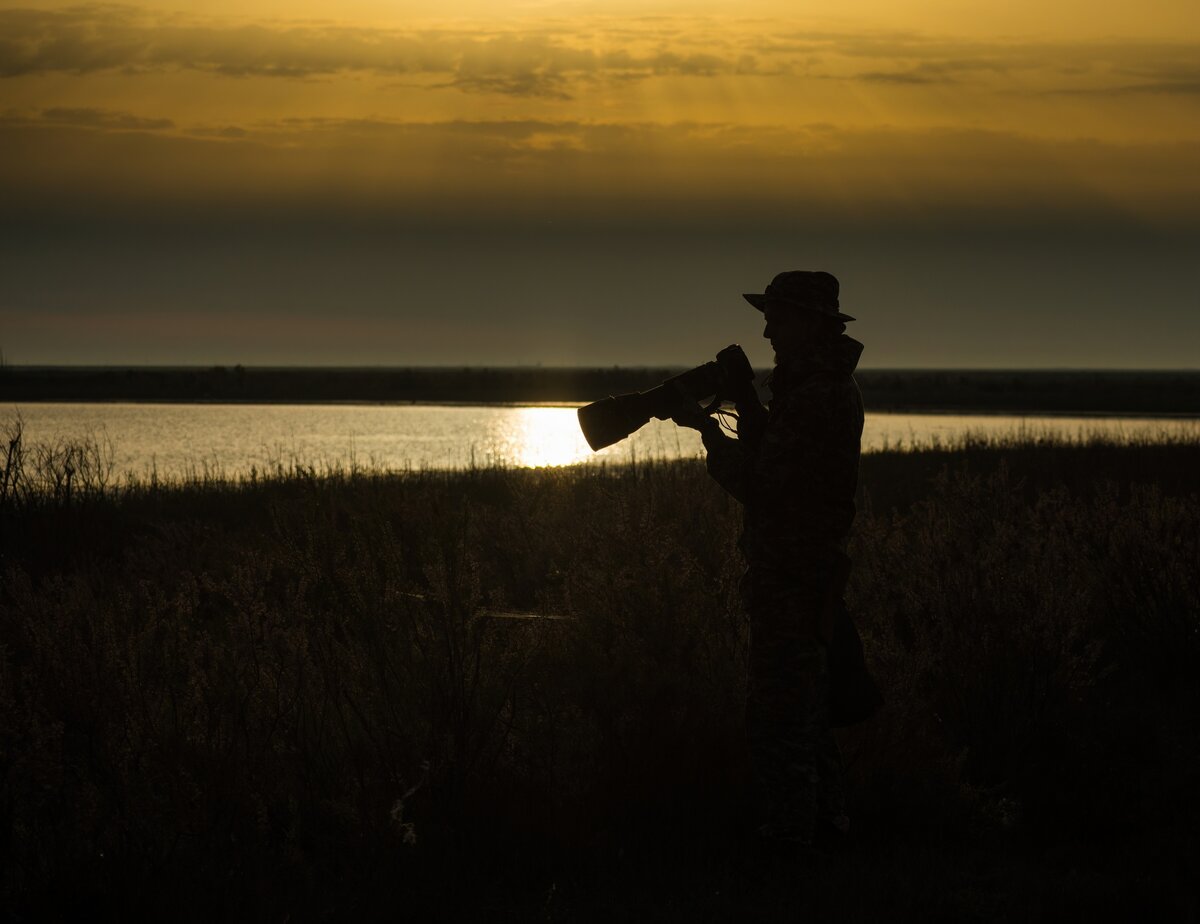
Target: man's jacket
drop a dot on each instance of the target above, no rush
(797, 479)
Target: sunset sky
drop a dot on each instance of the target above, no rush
(996, 184)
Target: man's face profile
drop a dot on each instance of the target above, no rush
(788, 327)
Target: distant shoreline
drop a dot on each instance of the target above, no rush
(1168, 394)
(931, 411)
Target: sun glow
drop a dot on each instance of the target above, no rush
(548, 436)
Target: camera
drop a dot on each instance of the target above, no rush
(728, 377)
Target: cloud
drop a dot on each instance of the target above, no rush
(232, 132)
(538, 63)
(104, 119)
(902, 77)
(1165, 82)
(444, 169)
(545, 59)
(1050, 67)
(557, 61)
(528, 84)
(87, 39)
(583, 134)
(530, 66)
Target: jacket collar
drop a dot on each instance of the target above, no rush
(838, 354)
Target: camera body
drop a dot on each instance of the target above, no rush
(728, 377)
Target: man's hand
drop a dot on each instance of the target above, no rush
(693, 417)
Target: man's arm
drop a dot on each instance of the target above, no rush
(729, 461)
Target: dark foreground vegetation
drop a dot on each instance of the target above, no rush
(1066, 392)
(294, 698)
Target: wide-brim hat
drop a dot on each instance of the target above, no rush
(814, 290)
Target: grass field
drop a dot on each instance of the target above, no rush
(291, 697)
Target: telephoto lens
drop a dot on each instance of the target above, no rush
(611, 419)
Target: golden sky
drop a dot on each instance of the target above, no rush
(839, 105)
(455, 117)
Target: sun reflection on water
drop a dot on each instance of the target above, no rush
(547, 436)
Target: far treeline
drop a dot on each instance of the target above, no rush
(1129, 392)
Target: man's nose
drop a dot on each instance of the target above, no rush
(767, 332)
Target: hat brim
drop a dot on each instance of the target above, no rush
(759, 301)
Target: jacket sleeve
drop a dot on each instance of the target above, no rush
(729, 461)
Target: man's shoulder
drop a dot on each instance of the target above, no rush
(819, 388)
(827, 381)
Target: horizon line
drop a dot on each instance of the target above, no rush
(538, 367)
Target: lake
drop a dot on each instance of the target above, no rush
(176, 440)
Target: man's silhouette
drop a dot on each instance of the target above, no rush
(794, 467)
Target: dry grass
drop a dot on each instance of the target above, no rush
(283, 696)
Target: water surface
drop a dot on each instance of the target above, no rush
(179, 439)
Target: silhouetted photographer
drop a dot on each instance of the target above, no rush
(794, 467)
